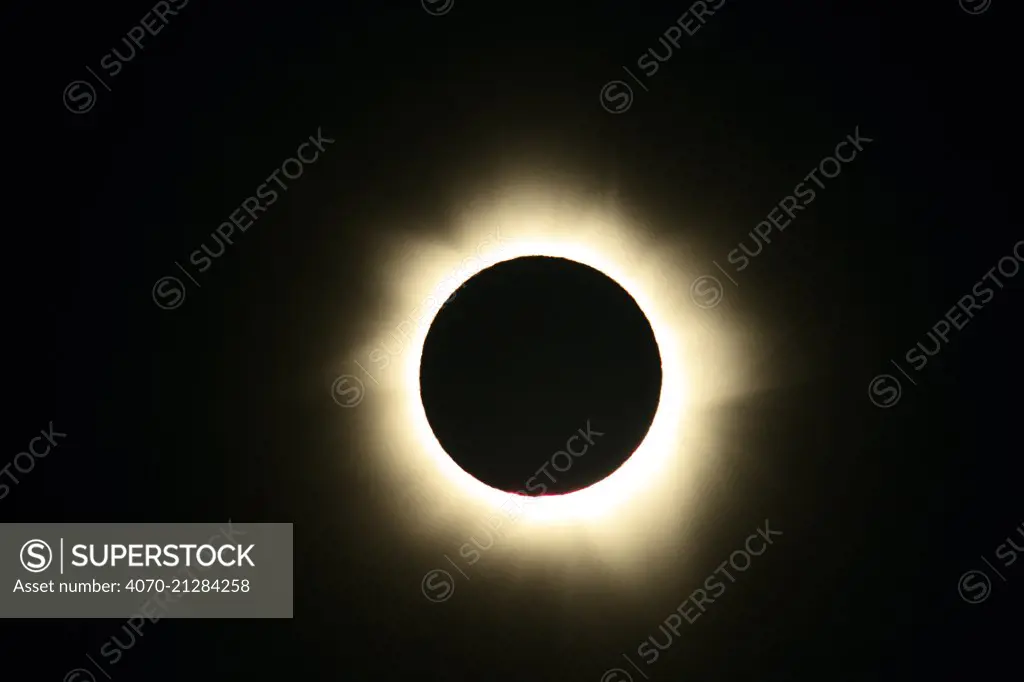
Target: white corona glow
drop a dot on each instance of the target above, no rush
(636, 474)
(657, 485)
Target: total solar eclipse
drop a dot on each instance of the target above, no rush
(529, 353)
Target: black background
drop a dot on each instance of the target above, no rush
(220, 409)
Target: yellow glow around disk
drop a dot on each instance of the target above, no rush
(656, 486)
(605, 496)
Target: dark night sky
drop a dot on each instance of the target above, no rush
(221, 408)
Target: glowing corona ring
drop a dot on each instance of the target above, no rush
(658, 483)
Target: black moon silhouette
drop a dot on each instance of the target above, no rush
(540, 376)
